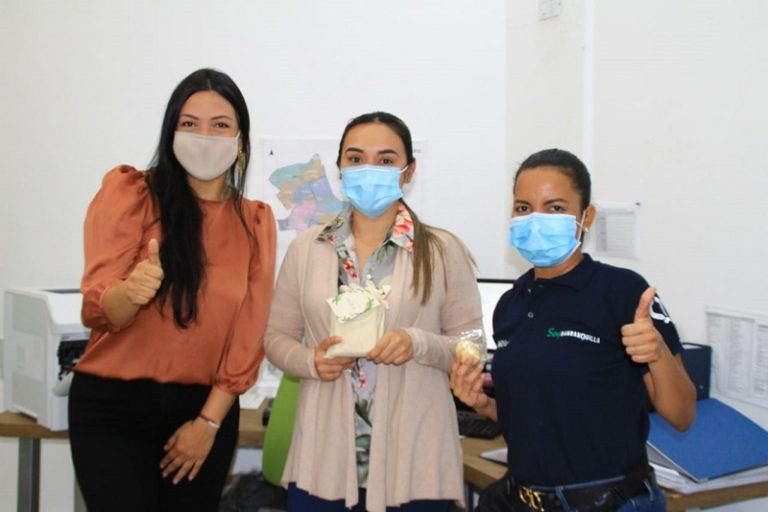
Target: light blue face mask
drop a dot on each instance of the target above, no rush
(372, 188)
(544, 239)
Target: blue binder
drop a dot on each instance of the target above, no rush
(697, 360)
(721, 441)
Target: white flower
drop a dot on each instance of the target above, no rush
(354, 300)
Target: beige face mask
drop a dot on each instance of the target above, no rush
(203, 157)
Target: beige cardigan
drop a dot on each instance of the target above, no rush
(415, 452)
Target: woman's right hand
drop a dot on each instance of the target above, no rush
(330, 369)
(467, 385)
(142, 284)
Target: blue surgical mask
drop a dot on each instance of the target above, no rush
(544, 239)
(371, 188)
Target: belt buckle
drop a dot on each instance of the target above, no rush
(531, 498)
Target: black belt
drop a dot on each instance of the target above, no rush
(597, 498)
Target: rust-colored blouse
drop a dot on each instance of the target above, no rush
(225, 345)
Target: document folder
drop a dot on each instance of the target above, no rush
(697, 360)
(720, 442)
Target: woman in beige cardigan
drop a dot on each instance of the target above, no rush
(377, 432)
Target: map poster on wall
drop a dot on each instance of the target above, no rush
(300, 181)
(740, 354)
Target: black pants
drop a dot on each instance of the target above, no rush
(117, 431)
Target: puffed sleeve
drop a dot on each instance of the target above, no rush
(114, 227)
(460, 311)
(245, 351)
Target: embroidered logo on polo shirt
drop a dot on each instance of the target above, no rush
(662, 315)
(554, 333)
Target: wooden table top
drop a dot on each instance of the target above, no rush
(480, 473)
(251, 429)
(14, 424)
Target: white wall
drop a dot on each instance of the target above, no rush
(545, 63)
(679, 113)
(84, 85)
(664, 100)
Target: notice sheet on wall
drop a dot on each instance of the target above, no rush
(614, 231)
(740, 354)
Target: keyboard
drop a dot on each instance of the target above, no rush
(472, 424)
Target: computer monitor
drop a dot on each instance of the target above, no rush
(491, 291)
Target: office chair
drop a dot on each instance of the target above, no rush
(277, 438)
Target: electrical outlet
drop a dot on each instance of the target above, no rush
(550, 9)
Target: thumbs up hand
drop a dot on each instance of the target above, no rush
(642, 342)
(153, 250)
(145, 279)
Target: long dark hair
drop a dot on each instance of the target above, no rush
(425, 242)
(181, 253)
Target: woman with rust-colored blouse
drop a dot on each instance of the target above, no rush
(179, 270)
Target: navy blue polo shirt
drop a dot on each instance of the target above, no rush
(572, 404)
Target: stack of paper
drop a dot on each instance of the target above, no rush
(498, 455)
(672, 479)
(723, 448)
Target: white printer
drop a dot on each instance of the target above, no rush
(44, 339)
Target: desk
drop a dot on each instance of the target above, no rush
(30, 433)
(480, 473)
(251, 429)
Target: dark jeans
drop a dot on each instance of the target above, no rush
(117, 430)
(498, 497)
(301, 501)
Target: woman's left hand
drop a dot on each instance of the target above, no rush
(186, 450)
(394, 347)
(642, 342)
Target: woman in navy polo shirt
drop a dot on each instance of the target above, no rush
(582, 346)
